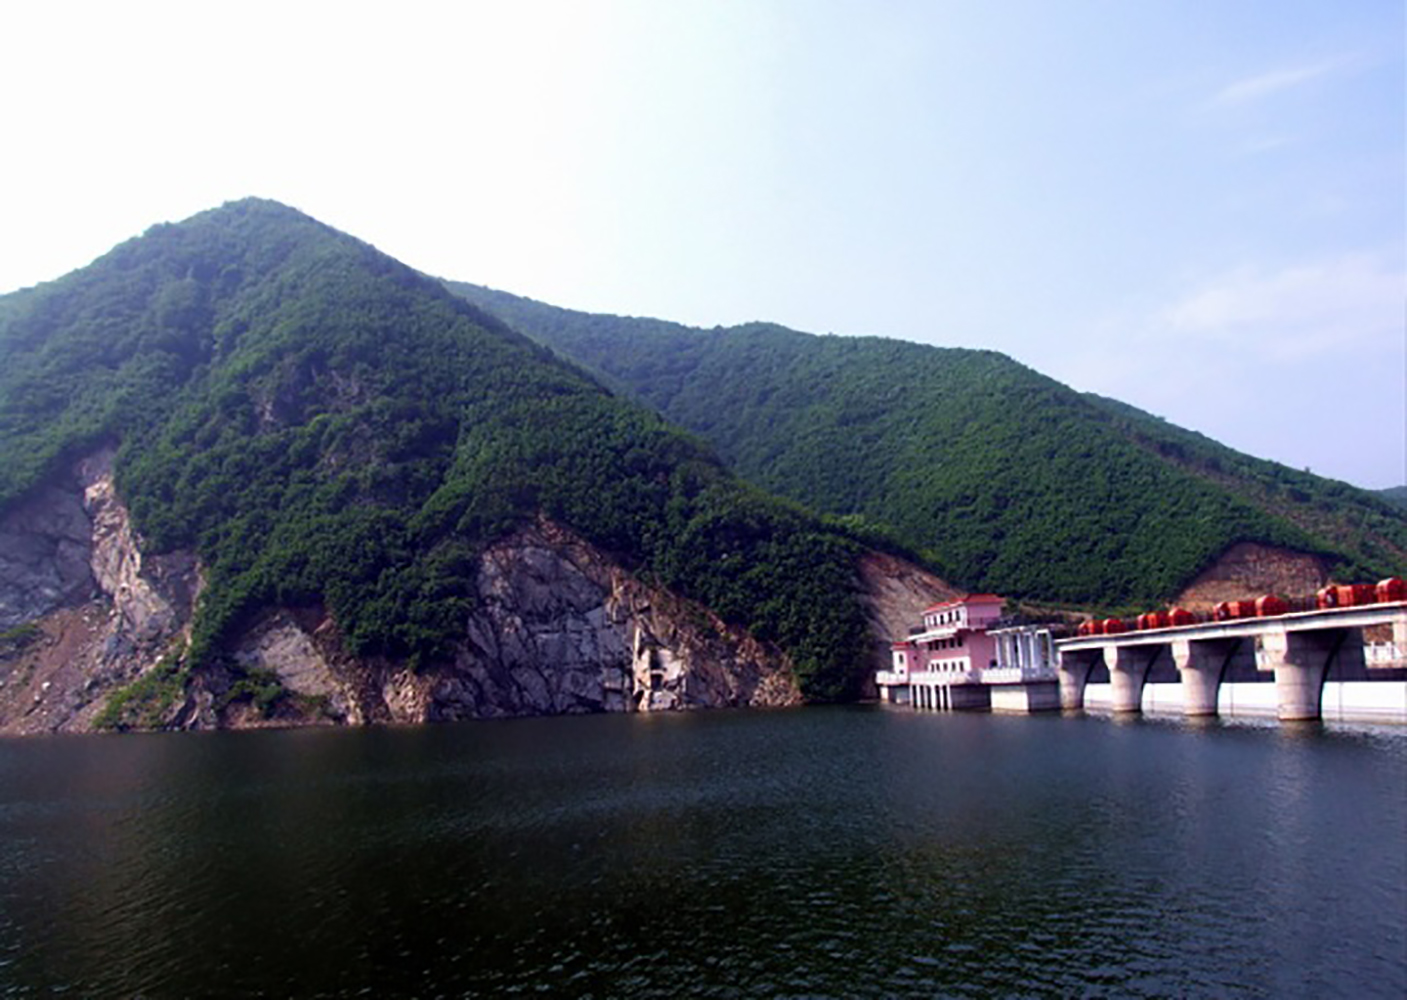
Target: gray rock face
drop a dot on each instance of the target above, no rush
(70, 562)
(72, 542)
(152, 595)
(560, 629)
(44, 556)
(545, 640)
(279, 644)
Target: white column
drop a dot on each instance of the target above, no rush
(1199, 663)
(1074, 671)
(1128, 669)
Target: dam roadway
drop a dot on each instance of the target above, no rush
(1315, 660)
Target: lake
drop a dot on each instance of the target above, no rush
(817, 852)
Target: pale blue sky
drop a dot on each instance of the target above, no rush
(1197, 207)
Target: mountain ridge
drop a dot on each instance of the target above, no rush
(1005, 479)
(1395, 495)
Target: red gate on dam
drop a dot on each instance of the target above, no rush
(1310, 664)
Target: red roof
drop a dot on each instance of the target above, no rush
(969, 599)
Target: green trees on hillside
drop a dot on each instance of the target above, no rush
(323, 425)
(1007, 480)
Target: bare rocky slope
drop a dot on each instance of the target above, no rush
(1249, 570)
(561, 628)
(89, 612)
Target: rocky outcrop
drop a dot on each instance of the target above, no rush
(152, 596)
(895, 594)
(547, 597)
(558, 627)
(105, 613)
(44, 555)
(1249, 570)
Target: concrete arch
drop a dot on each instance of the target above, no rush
(1303, 661)
(1205, 664)
(1074, 671)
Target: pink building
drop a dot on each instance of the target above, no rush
(966, 656)
(953, 637)
(950, 646)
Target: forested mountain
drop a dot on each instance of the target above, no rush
(1008, 480)
(1395, 494)
(322, 425)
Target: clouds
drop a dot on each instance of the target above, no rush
(1294, 312)
(1310, 101)
(1148, 200)
(1304, 363)
(1254, 89)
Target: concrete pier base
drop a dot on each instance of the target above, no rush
(951, 697)
(1302, 661)
(1200, 665)
(1025, 698)
(1127, 672)
(969, 698)
(1073, 673)
(1298, 688)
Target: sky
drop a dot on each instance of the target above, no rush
(1194, 206)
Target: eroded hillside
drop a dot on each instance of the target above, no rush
(337, 451)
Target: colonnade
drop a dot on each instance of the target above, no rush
(1027, 649)
(1299, 660)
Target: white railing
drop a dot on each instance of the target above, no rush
(991, 675)
(937, 677)
(1375, 654)
(1015, 675)
(1383, 654)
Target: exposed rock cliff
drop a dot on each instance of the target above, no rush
(895, 594)
(559, 627)
(104, 612)
(1248, 570)
(44, 549)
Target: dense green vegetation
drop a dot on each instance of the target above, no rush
(1395, 495)
(324, 425)
(1006, 479)
(1361, 525)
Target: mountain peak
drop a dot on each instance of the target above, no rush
(320, 425)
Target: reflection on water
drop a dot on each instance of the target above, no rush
(840, 852)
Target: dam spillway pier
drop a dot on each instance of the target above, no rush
(1293, 666)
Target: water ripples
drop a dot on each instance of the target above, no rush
(817, 853)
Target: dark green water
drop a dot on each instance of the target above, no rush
(823, 852)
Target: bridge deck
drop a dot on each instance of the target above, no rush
(1358, 617)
